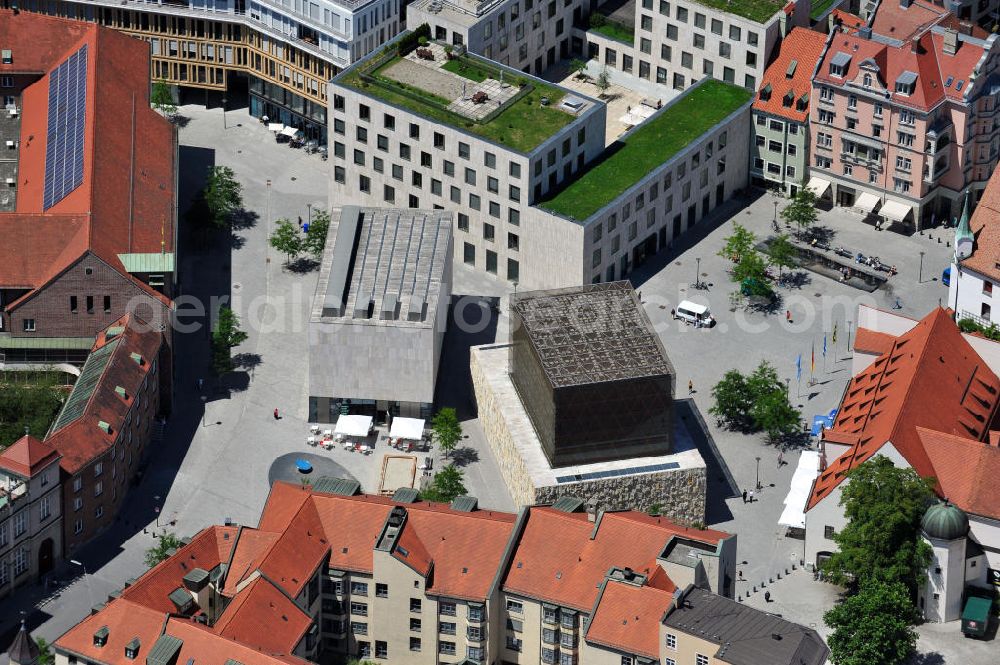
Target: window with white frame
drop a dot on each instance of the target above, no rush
(43, 508)
(20, 561)
(700, 659)
(20, 523)
(671, 641)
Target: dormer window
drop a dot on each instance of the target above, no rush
(788, 99)
(868, 80)
(132, 649)
(101, 636)
(839, 64)
(765, 92)
(906, 84)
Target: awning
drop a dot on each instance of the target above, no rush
(818, 186)
(353, 425)
(867, 202)
(794, 514)
(407, 428)
(290, 131)
(275, 127)
(895, 211)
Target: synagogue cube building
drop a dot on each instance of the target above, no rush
(380, 313)
(591, 373)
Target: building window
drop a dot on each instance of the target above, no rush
(359, 628)
(828, 532)
(515, 606)
(99, 512)
(78, 527)
(700, 659)
(77, 504)
(72, 303)
(359, 589)
(381, 590)
(360, 609)
(548, 656)
(474, 653)
(491, 262)
(381, 649)
(446, 628)
(29, 325)
(469, 257)
(513, 270)
(43, 508)
(20, 562)
(513, 643)
(20, 524)
(98, 489)
(415, 605)
(446, 648)
(414, 644)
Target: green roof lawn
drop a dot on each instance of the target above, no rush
(614, 30)
(755, 10)
(653, 143)
(522, 126)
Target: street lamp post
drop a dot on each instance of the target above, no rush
(309, 213)
(920, 277)
(775, 214)
(758, 473)
(86, 579)
(224, 112)
(697, 273)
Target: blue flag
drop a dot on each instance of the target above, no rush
(824, 346)
(798, 368)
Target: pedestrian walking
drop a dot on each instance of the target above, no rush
(788, 315)
(276, 416)
(300, 221)
(781, 458)
(690, 387)
(744, 496)
(751, 496)
(767, 596)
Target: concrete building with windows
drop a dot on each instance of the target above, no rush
(334, 574)
(780, 150)
(30, 512)
(380, 313)
(529, 35)
(535, 200)
(902, 120)
(281, 54)
(676, 43)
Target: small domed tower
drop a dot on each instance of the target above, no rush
(23, 650)
(945, 527)
(964, 239)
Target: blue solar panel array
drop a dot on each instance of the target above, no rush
(614, 473)
(67, 114)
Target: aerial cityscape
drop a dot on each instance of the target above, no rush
(634, 332)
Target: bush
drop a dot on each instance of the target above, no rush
(989, 332)
(597, 20)
(411, 40)
(422, 40)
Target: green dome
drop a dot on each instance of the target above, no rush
(945, 521)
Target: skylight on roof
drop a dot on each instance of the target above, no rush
(949, 81)
(958, 86)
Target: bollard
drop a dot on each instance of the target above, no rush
(770, 580)
(779, 576)
(786, 570)
(755, 588)
(793, 566)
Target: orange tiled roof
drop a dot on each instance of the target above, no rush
(893, 20)
(804, 47)
(966, 471)
(930, 378)
(872, 341)
(627, 618)
(985, 258)
(27, 456)
(847, 19)
(558, 561)
(264, 618)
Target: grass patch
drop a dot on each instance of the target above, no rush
(820, 8)
(522, 125)
(467, 69)
(755, 10)
(653, 143)
(615, 31)
(31, 401)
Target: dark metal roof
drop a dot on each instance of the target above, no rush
(181, 598)
(465, 504)
(590, 334)
(164, 651)
(568, 504)
(84, 387)
(23, 649)
(406, 495)
(339, 486)
(196, 579)
(745, 636)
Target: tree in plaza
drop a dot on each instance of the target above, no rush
(447, 485)
(45, 655)
(287, 239)
(161, 99)
(773, 414)
(579, 67)
(733, 402)
(873, 625)
(781, 253)
(758, 401)
(160, 552)
(884, 505)
(315, 240)
(603, 81)
(222, 194)
(226, 335)
(447, 429)
(801, 211)
(738, 244)
(751, 274)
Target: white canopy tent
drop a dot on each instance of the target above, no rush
(895, 211)
(275, 127)
(407, 428)
(290, 131)
(867, 202)
(353, 425)
(818, 186)
(794, 513)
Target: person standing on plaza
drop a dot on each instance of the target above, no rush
(744, 496)
(751, 496)
(690, 387)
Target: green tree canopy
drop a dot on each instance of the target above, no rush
(45, 655)
(801, 211)
(603, 81)
(222, 194)
(447, 485)
(873, 626)
(33, 404)
(579, 67)
(759, 401)
(315, 241)
(733, 401)
(447, 429)
(883, 505)
(773, 414)
(159, 552)
(161, 99)
(286, 239)
(227, 334)
(781, 253)
(739, 244)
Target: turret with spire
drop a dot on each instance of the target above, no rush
(23, 650)
(964, 238)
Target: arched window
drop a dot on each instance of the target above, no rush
(868, 80)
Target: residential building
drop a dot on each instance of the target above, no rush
(534, 201)
(88, 205)
(380, 313)
(281, 54)
(529, 35)
(676, 43)
(975, 269)
(105, 427)
(334, 574)
(903, 126)
(935, 411)
(780, 150)
(585, 361)
(30, 512)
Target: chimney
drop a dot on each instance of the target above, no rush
(950, 41)
(591, 512)
(865, 32)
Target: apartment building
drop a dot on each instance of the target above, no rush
(678, 42)
(533, 200)
(975, 268)
(280, 53)
(780, 150)
(529, 35)
(902, 128)
(30, 512)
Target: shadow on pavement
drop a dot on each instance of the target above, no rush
(720, 484)
(472, 321)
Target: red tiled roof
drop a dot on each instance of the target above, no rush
(930, 378)
(558, 561)
(126, 200)
(893, 20)
(251, 548)
(847, 19)
(627, 618)
(204, 647)
(805, 47)
(872, 341)
(985, 258)
(27, 456)
(264, 618)
(80, 441)
(966, 471)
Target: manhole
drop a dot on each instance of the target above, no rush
(677, 263)
(663, 306)
(237, 286)
(818, 295)
(294, 178)
(239, 152)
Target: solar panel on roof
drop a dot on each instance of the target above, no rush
(64, 135)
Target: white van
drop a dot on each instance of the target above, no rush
(696, 315)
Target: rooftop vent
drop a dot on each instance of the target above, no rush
(132, 649)
(101, 636)
(7, 56)
(120, 391)
(105, 427)
(137, 358)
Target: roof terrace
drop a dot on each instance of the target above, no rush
(758, 11)
(467, 92)
(652, 143)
